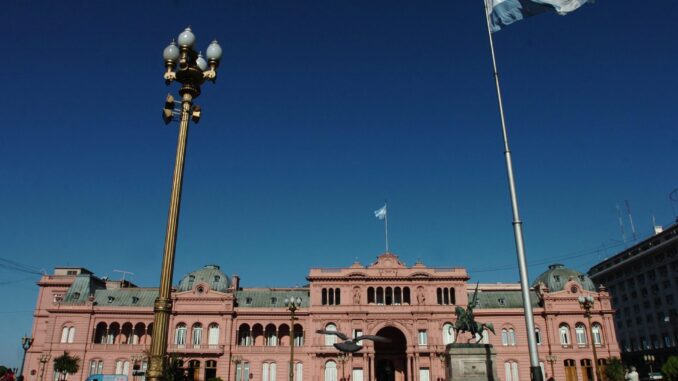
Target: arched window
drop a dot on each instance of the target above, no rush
(122, 367)
(448, 333)
(324, 296)
(242, 371)
(330, 296)
(397, 296)
(380, 295)
(389, 296)
(180, 335)
(453, 297)
(446, 296)
(100, 333)
(406, 295)
(113, 332)
(298, 335)
(486, 337)
(197, 335)
(191, 279)
(271, 337)
(439, 295)
(580, 331)
(337, 296)
(268, 371)
(330, 339)
(511, 337)
(597, 334)
(511, 371)
(565, 334)
(370, 295)
(298, 372)
(244, 335)
(504, 337)
(67, 334)
(213, 335)
(96, 366)
(330, 371)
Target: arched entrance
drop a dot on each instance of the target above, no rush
(390, 359)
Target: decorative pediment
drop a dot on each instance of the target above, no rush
(387, 261)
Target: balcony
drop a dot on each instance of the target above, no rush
(207, 349)
(119, 347)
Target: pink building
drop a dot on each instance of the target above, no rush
(237, 334)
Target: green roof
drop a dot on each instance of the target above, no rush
(82, 287)
(127, 297)
(502, 299)
(272, 298)
(557, 275)
(210, 274)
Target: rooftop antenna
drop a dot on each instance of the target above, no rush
(621, 224)
(123, 272)
(656, 228)
(628, 212)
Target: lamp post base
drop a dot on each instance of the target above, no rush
(536, 374)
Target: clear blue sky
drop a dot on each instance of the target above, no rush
(322, 110)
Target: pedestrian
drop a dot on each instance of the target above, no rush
(632, 375)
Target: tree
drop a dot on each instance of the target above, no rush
(3, 370)
(670, 369)
(66, 364)
(614, 369)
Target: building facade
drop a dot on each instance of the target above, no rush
(643, 281)
(219, 329)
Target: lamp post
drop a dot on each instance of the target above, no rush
(586, 302)
(292, 304)
(442, 356)
(649, 360)
(552, 360)
(26, 343)
(191, 72)
(43, 363)
(342, 358)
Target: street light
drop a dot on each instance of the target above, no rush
(586, 302)
(184, 65)
(442, 356)
(292, 304)
(342, 358)
(43, 362)
(26, 343)
(649, 360)
(236, 359)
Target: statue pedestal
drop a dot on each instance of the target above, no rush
(471, 362)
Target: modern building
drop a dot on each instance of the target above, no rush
(643, 281)
(219, 328)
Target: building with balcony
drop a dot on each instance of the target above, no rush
(643, 281)
(219, 329)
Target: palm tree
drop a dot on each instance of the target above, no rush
(66, 364)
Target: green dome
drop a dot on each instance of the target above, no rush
(210, 274)
(557, 275)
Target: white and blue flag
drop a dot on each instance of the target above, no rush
(505, 12)
(380, 213)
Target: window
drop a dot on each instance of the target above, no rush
(357, 374)
(271, 337)
(213, 335)
(274, 300)
(57, 298)
(330, 339)
(508, 337)
(135, 299)
(511, 371)
(244, 336)
(298, 372)
(242, 371)
(537, 336)
(370, 295)
(424, 374)
(504, 337)
(122, 367)
(180, 335)
(580, 331)
(423, 337)
(448, 333)
(380, 295)
(67, 334)
(196, 335)
(248, 300)
(331, 371)
(356, 333)
(298, 335)
(96, 366)
(564, 334)
(268, 371)
(111, 299)
(597, 334)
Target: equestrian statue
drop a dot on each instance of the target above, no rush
(466, 322)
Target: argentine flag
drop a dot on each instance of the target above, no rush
(505, 12)
(380, 213)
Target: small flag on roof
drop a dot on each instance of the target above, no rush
(381, 212)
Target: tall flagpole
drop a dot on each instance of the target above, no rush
(386, 224)
(535, 369)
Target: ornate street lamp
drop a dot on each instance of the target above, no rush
(44, 358)
(649, 360)
(26, 343)
(186, 66)
(551, 359)
(442, 356)
(292, 304)
(342, 358)
(235, 359)
(586, 302)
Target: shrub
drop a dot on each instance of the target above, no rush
(670, 369)
(614, 369)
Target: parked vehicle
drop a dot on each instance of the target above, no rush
(106, 377)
